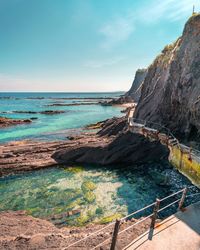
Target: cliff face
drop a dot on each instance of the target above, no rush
(135, 90)
(133, 94)
(171, 90)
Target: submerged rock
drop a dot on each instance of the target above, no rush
(45, 112)
(89, 196)
(52, 112)
(6, 122)
(88, 186)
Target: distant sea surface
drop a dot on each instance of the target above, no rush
(57, 126)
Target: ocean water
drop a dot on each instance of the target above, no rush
(52, 127)
(100, 194)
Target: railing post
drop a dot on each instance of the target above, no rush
(155, 213)
(180, 205)
(115, 234)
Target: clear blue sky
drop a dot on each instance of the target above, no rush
(83, 45)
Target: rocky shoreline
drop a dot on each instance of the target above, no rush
(21, 231)
(112, 144)
(6, 122)
(17, 157)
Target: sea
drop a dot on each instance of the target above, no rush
(81, 109)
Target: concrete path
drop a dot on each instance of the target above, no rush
(178, 232)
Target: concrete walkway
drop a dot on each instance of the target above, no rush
(178, 232)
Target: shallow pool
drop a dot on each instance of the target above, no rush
(99, 194)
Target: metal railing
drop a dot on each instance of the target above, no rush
(162, 129)
(153, 216)
(157, 126)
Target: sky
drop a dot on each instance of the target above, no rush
(84, 45)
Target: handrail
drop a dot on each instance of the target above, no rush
(169, 133)
(131, 214)
(138, 222)
(144, 122)
(169, 205)
(169, 196)
(138, 211)
(123, 218)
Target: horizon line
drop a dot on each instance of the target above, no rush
(72, 92)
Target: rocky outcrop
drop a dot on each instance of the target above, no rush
(45, 112)
(27, 155)
(133, 94)
(114, 126)
(135, 90)
(112, 144)
(170, 93)
(125, 148)
(71, 104)
(6, 122)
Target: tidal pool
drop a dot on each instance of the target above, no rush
(100, 194)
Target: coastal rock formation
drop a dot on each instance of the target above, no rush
(113, 126)
(21, 231)
(45, 112)
(171, 90)
(52, 112)
(113, 144)
(126, 148)
(28, 155)
(6, 122)
(71, 104)
(134, 93)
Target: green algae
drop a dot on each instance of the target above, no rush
(110, 218)
(34, 211)
(89, 197)
(74, 170)
(88, 186)
(101, 195)
(99, 211)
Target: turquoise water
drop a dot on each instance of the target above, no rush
(52, 127)
(100, 194)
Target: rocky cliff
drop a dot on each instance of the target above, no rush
(135, 90)
(171, 90)
(133, 94)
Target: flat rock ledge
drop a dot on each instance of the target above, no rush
(6, 122)
(113, 144)
(21, 156)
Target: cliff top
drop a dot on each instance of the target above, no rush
(192, 24)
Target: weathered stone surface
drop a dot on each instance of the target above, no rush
(125, 148)
(113, 126)
(31, 155)
(112, 144)
(20, 231)
(135, 90)
(52, 112)
(45, 112)
(6, 122)
(171, 89)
